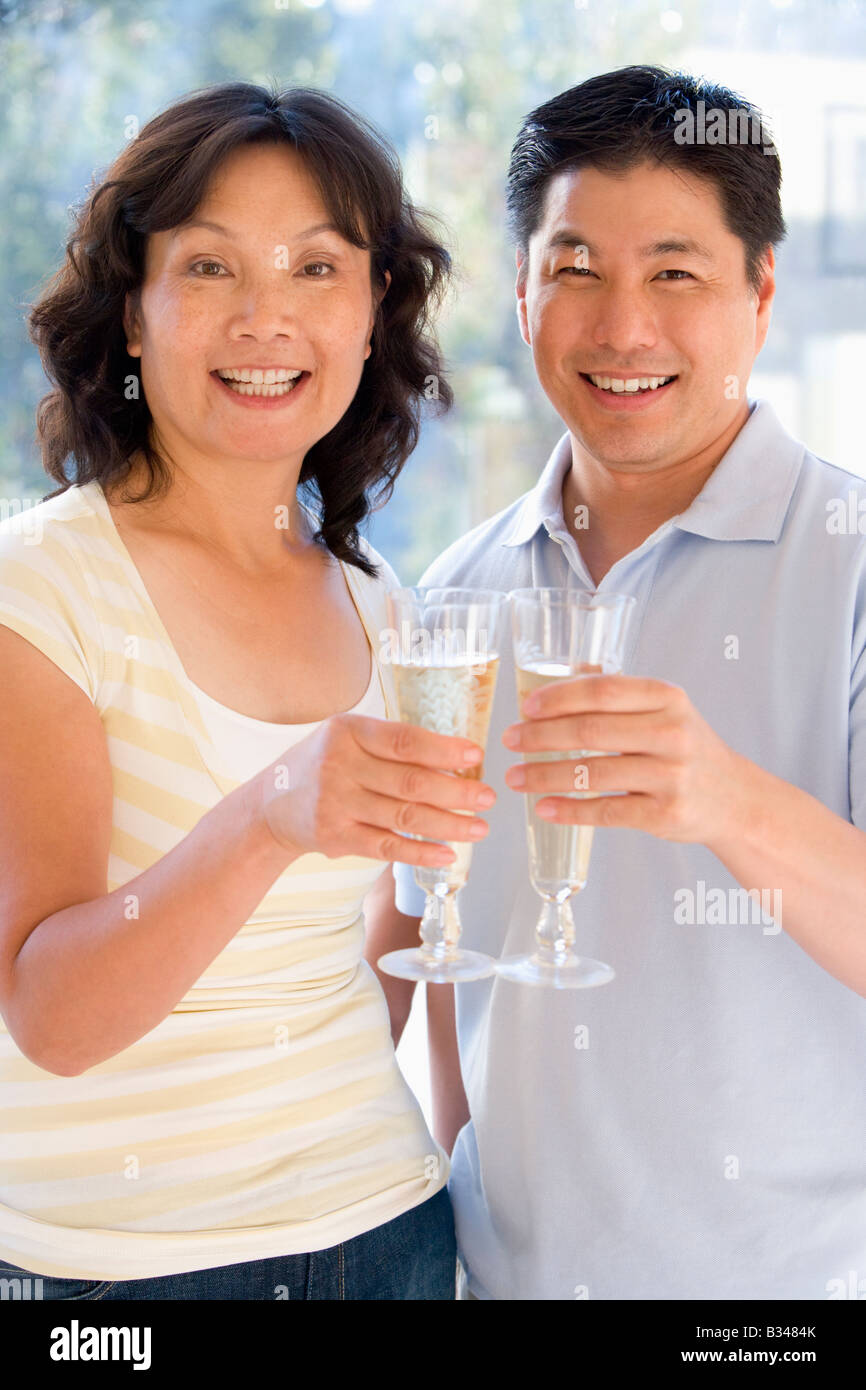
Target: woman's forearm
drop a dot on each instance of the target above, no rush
(450, 1106)
(93, 978)
(387, 929)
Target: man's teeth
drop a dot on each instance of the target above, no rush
(634, 383)
(252, 381)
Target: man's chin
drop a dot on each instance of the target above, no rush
(621, 448)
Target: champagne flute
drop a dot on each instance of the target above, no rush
(560, 634)
(446, 645)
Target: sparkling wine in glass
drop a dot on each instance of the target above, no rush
(447, 645)
(560, 635)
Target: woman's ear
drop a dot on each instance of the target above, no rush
(378, 296)
(131, 324)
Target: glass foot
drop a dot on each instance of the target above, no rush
(568, 971)
(437, 969)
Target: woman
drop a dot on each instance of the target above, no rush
(201, 1095)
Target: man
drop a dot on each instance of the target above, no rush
(696, 1128)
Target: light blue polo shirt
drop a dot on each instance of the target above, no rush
(697, 1128)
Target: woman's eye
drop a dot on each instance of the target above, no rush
(213, 263)
(317, 270)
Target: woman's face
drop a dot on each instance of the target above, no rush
(269, 285)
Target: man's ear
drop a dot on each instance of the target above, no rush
(520, 292)
(131, 323)
(765, 296)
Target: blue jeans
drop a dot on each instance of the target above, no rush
(412, 1257)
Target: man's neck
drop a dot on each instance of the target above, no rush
(610, 513)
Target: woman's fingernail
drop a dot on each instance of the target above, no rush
(477, 829)
(516, 777)
(485, 797)
(511, 738)
(472, 755)
(547, 812)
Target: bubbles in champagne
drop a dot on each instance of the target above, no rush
(454, 698)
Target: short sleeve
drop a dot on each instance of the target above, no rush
(44, 598)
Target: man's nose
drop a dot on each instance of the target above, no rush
(624, 319)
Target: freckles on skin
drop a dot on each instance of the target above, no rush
(213, 299)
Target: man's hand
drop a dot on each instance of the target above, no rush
(681, 781)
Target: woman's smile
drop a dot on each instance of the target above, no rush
(260, 388)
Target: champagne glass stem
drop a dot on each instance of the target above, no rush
(440, 924)
(554, 931)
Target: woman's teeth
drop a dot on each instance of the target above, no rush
(631, 384)
(248, 381)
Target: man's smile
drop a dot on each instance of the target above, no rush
(627, 394)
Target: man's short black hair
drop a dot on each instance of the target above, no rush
(635, 114)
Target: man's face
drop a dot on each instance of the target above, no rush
(632, 307)
(278, 288)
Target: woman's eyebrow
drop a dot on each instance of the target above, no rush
(200, 222)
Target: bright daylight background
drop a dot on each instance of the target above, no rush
(448, 82)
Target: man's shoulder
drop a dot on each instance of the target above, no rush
(476, 558)
(833, 497)
(832, 478)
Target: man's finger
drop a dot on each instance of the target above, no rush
(597, 692)
(596, 732)
(632, 773)
(636, 810)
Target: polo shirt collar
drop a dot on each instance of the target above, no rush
(746, 497)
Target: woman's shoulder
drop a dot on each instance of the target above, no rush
(386, 578)
(374, 587)
(65, 522)
(44, 591)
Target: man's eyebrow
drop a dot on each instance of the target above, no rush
(683, 246)
(196, 222)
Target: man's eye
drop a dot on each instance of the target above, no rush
(214, 263)
(677, 272)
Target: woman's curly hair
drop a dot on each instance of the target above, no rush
(158, 182)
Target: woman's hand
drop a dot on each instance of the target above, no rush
(360, 786)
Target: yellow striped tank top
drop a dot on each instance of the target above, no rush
(266, 1114)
